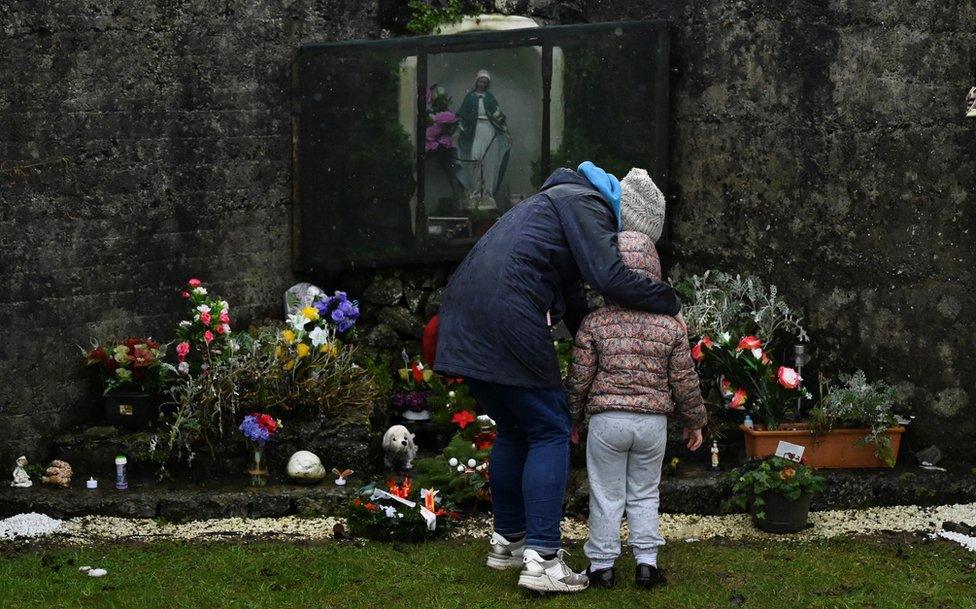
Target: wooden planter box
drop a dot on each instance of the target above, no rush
(841, 448)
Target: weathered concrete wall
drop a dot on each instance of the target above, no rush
(819, 144)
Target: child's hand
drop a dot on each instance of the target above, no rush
(694, 438)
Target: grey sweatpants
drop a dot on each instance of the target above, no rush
(624, 451)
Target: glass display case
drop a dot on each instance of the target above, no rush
(407, 150)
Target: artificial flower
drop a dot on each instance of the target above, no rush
(788, 377)
(203, 309)
(303, 350)
(121, 354)
(123, 373)
(186, 295)
(224, 317)
(186, 324)
(288, 336)
(297, 321)
(194, 283)
(738, 399)
(289, 364)
(330, 348)
(787, 473)
(205, 318)
(484, 440)
(748, 343)
(310, 313)
(727, 388)
(463, 418)
(724, 337)
(219, 329)
(183, 367)
(338, 315)
(417, 370)
(208, 337)
(696, 352)
(200, 290)
(445, 118)
(758, 354)
(318, 336)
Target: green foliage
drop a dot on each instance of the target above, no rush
(380, 370)
(858, 403)
(717, 302)
(772, 475)
(426, 19)
(466, 488)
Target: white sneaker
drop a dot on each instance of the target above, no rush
(505, 554)
(550, 575)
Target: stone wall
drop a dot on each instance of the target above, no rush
(818, 144)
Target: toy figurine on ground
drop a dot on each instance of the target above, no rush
(343, 474)
(398, 448)
(59, 473)
(21, 477)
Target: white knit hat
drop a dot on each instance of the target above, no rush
(641, 204)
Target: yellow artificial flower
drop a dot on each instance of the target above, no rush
(279, 352)
(310, 313)
(288, 336)
(330, 348)
(303, 350)
(121, 354)
(289, 364)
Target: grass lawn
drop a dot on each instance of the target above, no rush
(902, 572)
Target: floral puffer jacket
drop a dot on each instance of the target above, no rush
(634, 361)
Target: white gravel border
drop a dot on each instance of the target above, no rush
(674, 527)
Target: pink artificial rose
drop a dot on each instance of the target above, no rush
(749, 343)
(224, 317)
(185, 294)
(219, 328)
(208, 337)
(738, 399)
(445, 118)
(205, 318)
(788, 377)
(193, 283)
(182, 350)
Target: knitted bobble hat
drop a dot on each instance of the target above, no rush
(641, 204)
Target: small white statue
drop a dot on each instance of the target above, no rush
(21, 477)
(398, 448)
(714, 454)
(305, 466)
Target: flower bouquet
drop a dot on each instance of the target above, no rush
(258, 429)
(131, 373)
(338, 311)
(750, 380)
(206, 336)
(410, 397)
(398, 514)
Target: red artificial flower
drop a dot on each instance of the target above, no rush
(141, 358)
(357, 502)
(186, 295)
(463, 418)
(484, 440)
(208, 336)
(193, 283)
(399, 490)
(418, 371)
(152, 344)
(739, 399)
(748, 343)
(765, 359)
(268, 422)
(788, 377)
(98, 354)
(370, 506)
(205, 318)
(727, 388)
(219, 329)
(224, 317)
(696, 351)
(132, 341)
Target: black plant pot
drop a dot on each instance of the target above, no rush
(129, 409)
(781, 515)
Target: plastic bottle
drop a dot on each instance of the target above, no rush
(748, 422)
(121, 481)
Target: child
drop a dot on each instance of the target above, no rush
(629, 370)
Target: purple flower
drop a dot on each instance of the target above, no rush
(410, 400)
(353, 313)
(346, 307)
(323, 305)
(445, 118)
(345, 324)
(341, 296)
(338, 315)
(254, 431)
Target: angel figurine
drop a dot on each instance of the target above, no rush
(343, 474)
(21, 477)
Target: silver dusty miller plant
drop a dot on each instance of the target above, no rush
(859, 403)
(739, 305)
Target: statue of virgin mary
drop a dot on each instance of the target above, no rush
(483, 143)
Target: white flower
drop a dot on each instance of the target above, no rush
(203, 308)
(234, 347)
(319, 336)
(390, 511)
(184, 367)
(224, 307)
(725, 337)
(185, 324)
(297, 321)
(313, 292)
(757, 353)
(202, 291)
(226, 328)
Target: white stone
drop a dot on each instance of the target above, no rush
(305, 466)
(97, 573)
(28, 525)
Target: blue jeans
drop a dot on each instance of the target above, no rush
(529, 461)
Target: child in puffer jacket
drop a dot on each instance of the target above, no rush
(629, 370)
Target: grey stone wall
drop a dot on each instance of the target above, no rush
(818, 144)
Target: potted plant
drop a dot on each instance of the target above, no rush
(777, 493)
(132, 373)
(410, 397)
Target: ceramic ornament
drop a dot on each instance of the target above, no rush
(341, 480)
(58, 473)
(20, 475)
(305, 466)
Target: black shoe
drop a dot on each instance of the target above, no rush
(601, 578)
(649, 576)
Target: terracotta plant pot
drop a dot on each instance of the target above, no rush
(840, 448)
(781, 515)
(129, 409)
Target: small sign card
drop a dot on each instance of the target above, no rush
(788, 450)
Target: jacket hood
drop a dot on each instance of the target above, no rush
(568, 176)
(638, 253)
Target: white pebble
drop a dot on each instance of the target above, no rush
(28, 525)
(97, 573)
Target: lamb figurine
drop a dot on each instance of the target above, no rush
(398, 448)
